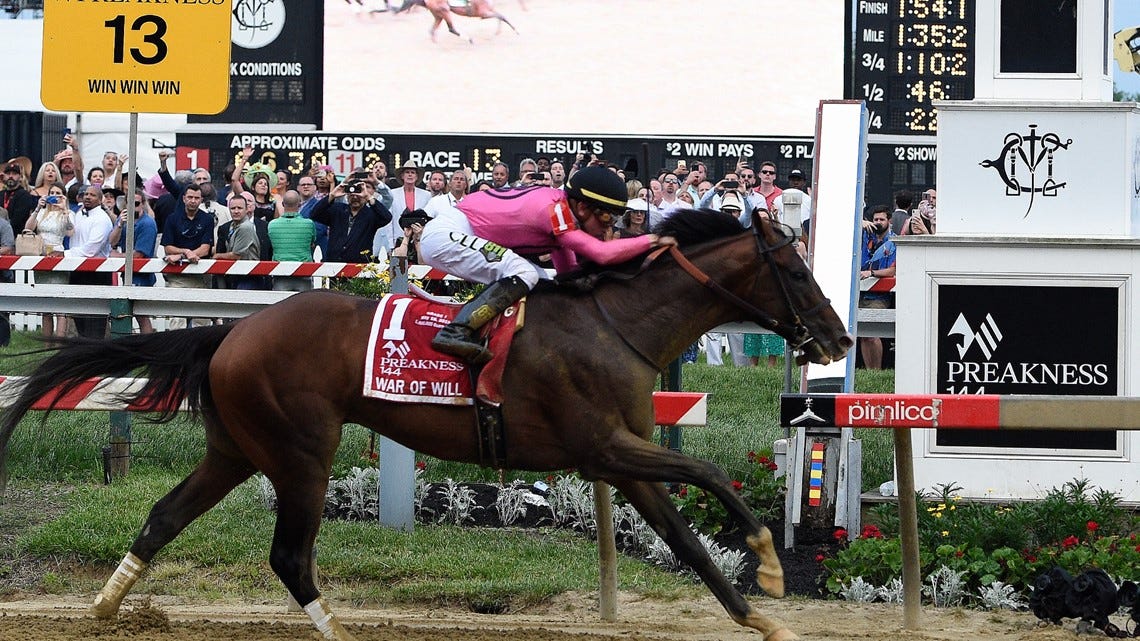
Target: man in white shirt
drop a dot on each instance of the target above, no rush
(91, 239)
(456, 190)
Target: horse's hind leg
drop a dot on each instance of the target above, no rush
(212, 480)
(631, 457)
(652, 502)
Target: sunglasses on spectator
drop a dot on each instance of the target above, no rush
(769, 172)
(747, 175)
(138, 203)
(673, 180)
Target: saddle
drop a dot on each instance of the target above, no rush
(400, 365)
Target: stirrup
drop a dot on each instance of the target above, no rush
(459, 341)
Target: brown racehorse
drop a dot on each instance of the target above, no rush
(441, 10)
(275, 388)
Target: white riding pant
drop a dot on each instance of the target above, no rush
(449, 243)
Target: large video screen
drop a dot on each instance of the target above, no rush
(660, 67)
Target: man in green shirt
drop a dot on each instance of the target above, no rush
(293, 238)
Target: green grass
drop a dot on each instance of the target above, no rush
(225, 552)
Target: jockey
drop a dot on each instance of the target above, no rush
(478, 237)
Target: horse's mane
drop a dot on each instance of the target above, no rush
(692, 226)
(688, 226)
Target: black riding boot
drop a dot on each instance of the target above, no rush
(459, 338)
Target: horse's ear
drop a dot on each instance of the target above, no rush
(756, 218)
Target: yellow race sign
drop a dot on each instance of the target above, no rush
(154, 56)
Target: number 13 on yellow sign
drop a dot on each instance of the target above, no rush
(136, 56)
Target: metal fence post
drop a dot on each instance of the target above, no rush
(122, 322)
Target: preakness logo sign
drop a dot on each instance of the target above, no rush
(999, 339)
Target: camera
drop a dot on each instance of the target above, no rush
(732, 184)
(537, 176)
(51, 200)
(354, 188)
(360, 175)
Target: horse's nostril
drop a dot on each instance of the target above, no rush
(846, 342)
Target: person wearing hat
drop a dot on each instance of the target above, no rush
(407, 198)
(636, 219)
(111, 197)
(477, 240)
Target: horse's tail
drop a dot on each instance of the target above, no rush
(176, 365)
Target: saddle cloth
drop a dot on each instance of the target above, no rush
(400, 364)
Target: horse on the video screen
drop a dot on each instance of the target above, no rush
(441, 10)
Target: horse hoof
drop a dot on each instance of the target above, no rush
(783, 634)
(104, 608)
(771, 581)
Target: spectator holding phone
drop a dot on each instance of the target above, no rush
(51, 219)
(923, 221)
(737, 191)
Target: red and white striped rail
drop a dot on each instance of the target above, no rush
(680, 408)
(877, 285)
(212, 266)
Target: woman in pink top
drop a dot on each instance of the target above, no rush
(481, 238)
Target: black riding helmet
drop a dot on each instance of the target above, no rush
(600, 187)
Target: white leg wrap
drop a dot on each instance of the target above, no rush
(120, 583)
(322, 617)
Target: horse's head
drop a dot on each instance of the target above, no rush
(768, 281)
(795, 307)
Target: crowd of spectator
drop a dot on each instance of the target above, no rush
(257, 212)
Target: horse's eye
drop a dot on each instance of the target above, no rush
(798, 276)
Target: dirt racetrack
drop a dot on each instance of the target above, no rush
(567, 618)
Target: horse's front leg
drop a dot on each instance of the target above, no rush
(628, 456)
(652, 501)
(300, 503)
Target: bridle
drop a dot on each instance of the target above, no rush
(798, 330)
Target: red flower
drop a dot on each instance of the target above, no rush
(763, 460)
(375, 456)
(420, 465)
(683, 492)
(871, 532)
(1092, 526)
(959, 553)
(1069, 542)
(1138, 548)
(772, 466)
(1031, 558)
(737, 485)
(819, 558)
(751, 456)
(839, 535)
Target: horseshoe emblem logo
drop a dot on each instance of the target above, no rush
(1025, 164)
